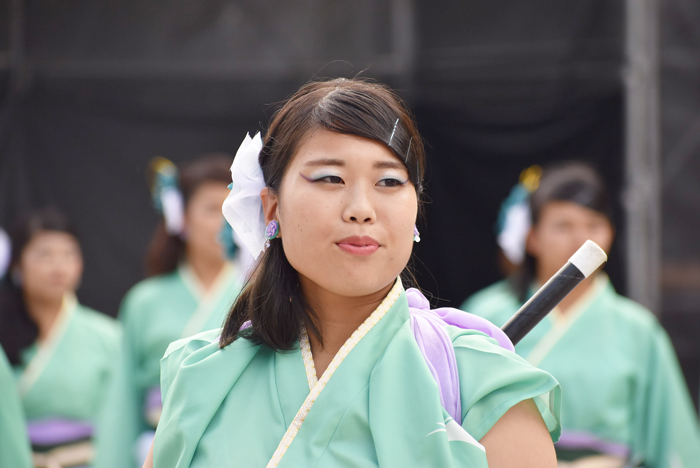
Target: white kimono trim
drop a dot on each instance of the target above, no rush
(46, 348)
(208, 299)
(355, 338)
(561, 323)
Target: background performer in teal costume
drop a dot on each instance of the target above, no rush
(16, 451)
(623, 393)
(190, 289)
(323, 360)
(63, 353)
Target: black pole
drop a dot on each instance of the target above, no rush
(582, 264)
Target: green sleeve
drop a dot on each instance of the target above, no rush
(667, 432)
(493, 380)
(177, 352)
(122, 422)
(15, 450)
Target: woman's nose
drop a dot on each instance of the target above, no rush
(358, 207)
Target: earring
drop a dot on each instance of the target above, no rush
(416, 234)
(271, 232)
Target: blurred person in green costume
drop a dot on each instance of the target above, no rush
(625, 402)
(192, 284)
(62, 352)
(15, 450)
(325, 359)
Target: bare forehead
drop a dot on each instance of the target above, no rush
(52, 239)
(325, 148)
(559, 209)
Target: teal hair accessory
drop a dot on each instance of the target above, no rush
(513, 223)
(167, 198)
(227, 242)
(518, 196)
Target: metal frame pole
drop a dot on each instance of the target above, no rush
(642, 197)
(404, 44)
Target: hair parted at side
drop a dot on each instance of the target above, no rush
(165, 251)
(272, 300)
(569, 181)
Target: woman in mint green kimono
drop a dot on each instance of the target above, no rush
(624, 397)
(62, 352)
(190, 289)
(16, 451)
(325, 360)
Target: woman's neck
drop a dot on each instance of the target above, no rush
(206, 270)
(338, 317)
(43, 313)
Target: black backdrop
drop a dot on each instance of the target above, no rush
(495, 86)
(91, 90)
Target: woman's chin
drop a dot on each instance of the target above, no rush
(354, 285)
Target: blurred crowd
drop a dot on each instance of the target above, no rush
(82, 389)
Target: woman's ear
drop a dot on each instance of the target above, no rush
(270, 203)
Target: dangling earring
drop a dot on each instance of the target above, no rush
(416, 234)
(271, 232)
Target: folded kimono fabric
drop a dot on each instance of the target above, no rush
(623, 391)
(378, 405)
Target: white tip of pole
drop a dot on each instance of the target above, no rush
(588, 258)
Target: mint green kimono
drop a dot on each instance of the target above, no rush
(619, 374)
(15, 451)
(154, 313)
(68, 374)
(380, 407)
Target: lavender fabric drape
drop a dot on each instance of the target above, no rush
(56, 431)
(434, 342)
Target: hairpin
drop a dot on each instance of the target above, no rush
(391, 138)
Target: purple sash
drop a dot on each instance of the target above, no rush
(428, 327)
(153, 400)
(55, 431)
(579, 440)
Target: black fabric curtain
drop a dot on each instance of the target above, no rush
(495, 87)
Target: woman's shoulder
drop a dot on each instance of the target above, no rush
(98, 323)
(153, 286)
(493, 379)
(179, 349)
(630, 314)
(94, 331)
(202, 351)
(149, 293)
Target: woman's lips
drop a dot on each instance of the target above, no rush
(358, 245)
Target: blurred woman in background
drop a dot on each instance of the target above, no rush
(62, 352)
(624, 397)
(190, 289)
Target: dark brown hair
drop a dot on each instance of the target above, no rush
(272, 300)
(569, 181)
(18, 330)
(166, 250)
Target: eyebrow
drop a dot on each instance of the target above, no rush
(389, 165)
(341, 163)
(326, 162)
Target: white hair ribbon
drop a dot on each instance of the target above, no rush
(5, 252)
(173, 210)
(243, 207)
